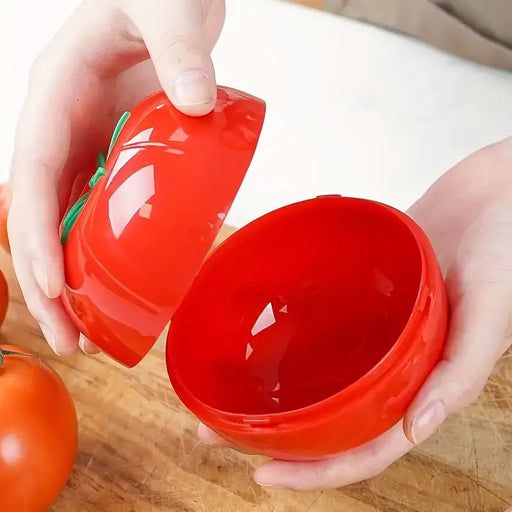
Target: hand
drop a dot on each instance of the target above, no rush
(95, 68)
(467, 215)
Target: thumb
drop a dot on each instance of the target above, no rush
(475, 342)
(174, 36)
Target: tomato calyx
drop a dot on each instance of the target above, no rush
(4, 353)
(101, 161)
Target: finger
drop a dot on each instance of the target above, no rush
(34, 218)
(87, 346)
(54, 112)
(208, 436)
(476, 340)
(41, 151)
(55, 325)
(353, 466)
(33, 231)
(179, 49)
(214, 18)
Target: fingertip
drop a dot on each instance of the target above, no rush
(66, 349)
(265, 476)
(193, 92)
(66, 345)
(87, 346)
(408, 430)
(180, 52)
(279, 475)
(49, 337)
(208, 436)
(60, 334)
(61, 348)
(425, 422)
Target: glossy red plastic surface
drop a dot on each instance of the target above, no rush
(150, 221)
(309, 331)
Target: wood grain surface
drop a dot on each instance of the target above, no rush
(138, 449)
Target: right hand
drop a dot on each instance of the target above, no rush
(108, 56)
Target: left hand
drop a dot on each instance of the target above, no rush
(108, 56)
(467, 215)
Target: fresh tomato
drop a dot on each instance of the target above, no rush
(38, 432)
(5, 204)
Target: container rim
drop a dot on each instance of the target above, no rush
(286, 419)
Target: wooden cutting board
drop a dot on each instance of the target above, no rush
(138, 449)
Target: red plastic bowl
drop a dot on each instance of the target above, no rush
(309, 331)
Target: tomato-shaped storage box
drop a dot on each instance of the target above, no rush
(134, 242)
(306, 333)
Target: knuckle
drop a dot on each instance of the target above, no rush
(333, 475)
(468, 390)
(176, 47)
(326, 477)
(171, 44)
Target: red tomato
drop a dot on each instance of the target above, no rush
(38, 432)
(5, 203)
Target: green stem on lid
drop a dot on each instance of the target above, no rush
(101, 162)
(100, 159)
(117, 131)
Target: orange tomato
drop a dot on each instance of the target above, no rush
(38, 432)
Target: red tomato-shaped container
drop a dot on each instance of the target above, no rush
(306, 333)
(139, 235)
(309, 331)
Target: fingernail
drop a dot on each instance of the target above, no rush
(48, 335)
(83, 343)
(266, 479)
(41, 278)
(427, 421)
(192, 88)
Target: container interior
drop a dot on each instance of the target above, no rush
(295, 307)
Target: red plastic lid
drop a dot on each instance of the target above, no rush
(136, 241)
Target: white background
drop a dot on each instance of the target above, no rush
(352, 109)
